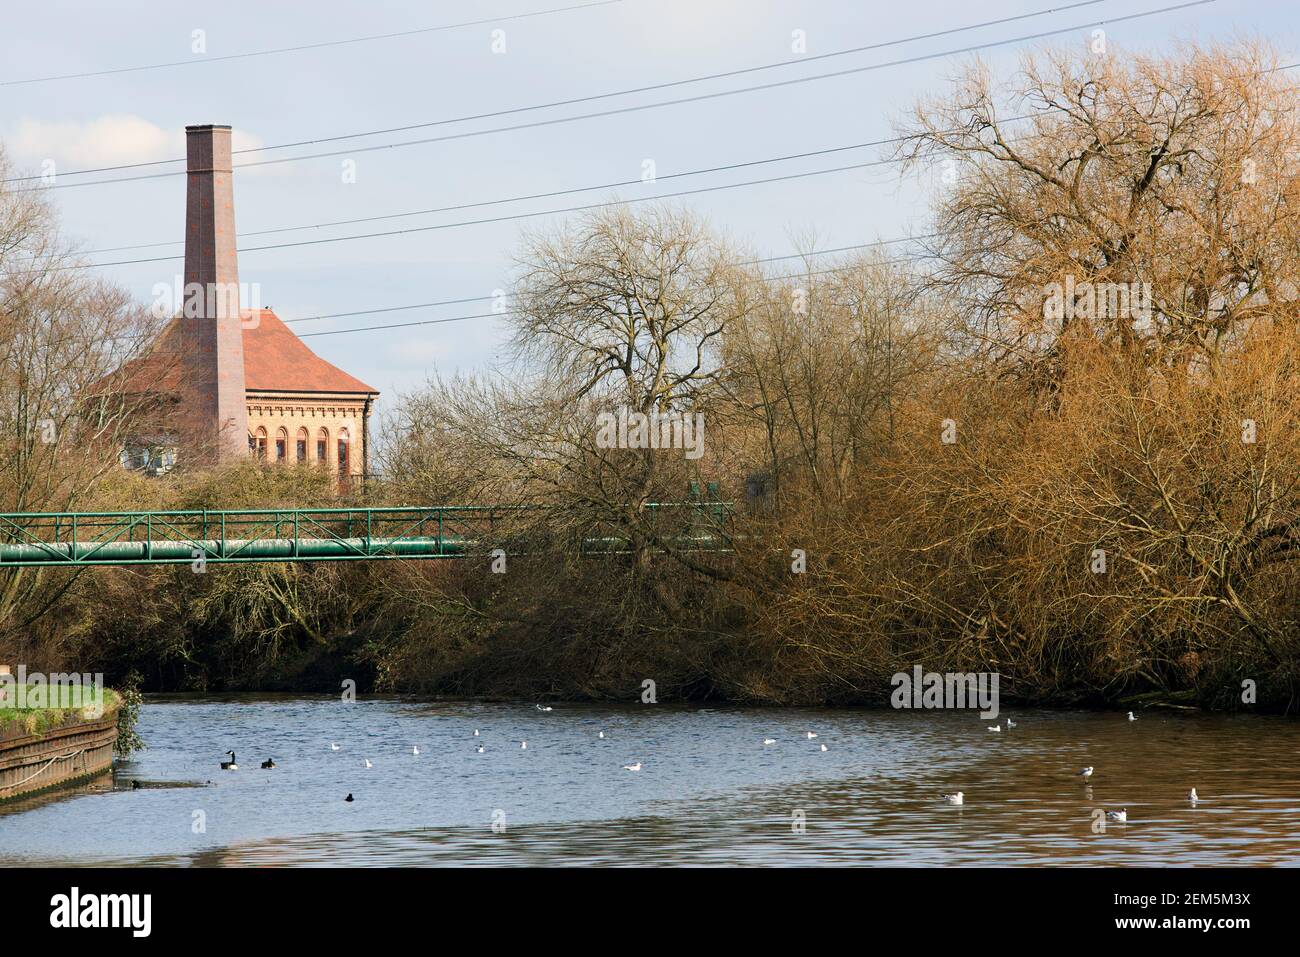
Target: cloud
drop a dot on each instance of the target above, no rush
(110, 140)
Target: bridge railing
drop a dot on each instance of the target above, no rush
(321, 534)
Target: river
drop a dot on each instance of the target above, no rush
(709, 791)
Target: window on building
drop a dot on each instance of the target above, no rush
(135, 457)
(259, 444)
(343, 453)
(154, 459)
(322, 445)
(281, 445)
(302, 445)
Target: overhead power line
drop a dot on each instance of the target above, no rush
(670, 84)
(373, 312)
(618, 110)
(585, 99)
(752, 262)
(198, 59)
(511, 312)
(494, 219)
(550, 194)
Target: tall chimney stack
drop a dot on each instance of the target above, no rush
(211, 331)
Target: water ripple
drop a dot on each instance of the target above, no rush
(710, 793)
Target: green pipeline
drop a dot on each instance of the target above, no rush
(231, 550)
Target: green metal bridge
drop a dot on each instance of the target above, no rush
(78, 539)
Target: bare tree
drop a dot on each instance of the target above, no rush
(1118, 169)
(816, 368)
(625, 311)
(63, 337)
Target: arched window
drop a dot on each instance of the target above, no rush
(322, 445)
(281, 444)
(343, 452)
(302, 445)
(259, 443)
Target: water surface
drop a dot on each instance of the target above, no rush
(709, 792)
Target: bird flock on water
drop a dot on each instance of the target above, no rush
(269, 763)
(1119, 815)
(957, 798)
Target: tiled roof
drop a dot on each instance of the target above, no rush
(275, 360)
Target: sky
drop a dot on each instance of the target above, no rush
(505, 62)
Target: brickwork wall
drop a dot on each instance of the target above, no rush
(212, 339)
(334, 414)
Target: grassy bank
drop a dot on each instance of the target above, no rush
(61, 709)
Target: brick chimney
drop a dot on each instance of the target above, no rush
(211, 333)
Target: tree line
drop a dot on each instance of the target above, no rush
(1059, 442)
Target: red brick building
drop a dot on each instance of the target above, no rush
(232, 381)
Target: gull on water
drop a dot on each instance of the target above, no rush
(1085, 773)
(476, 732)
(995, 727)
(1121, 815)
(1010, 723)
(368, 764)
(601, 735)
(823, 747)
(547, 708)
(632, 767)
(769, 740)
(811, 735)
(415, 749)
(957, 798)
(1131, 717)
(523, 745)
(480, 749)
(1192, 797)
(333, 746)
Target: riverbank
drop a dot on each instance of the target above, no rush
(54, 746)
